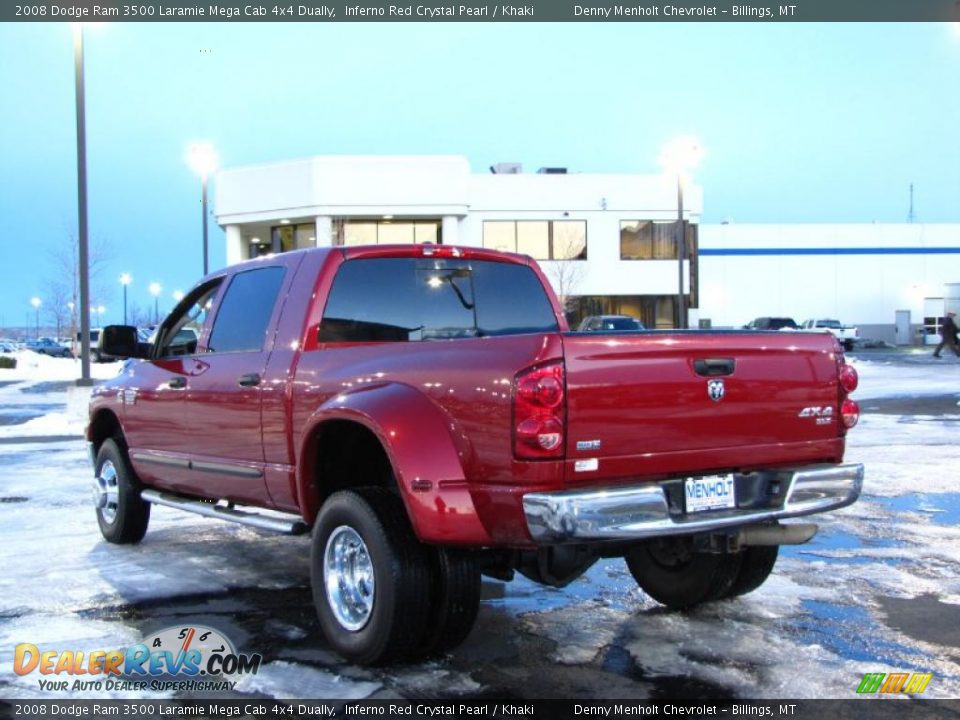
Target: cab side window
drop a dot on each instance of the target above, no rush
(179, 335)
(245, 311)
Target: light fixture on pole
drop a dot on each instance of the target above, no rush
(36, 306)
(178, 295)
(155, 290)
(125, 280)
(203, 160)
(678, 158)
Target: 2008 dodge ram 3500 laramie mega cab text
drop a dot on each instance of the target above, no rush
(426, 414)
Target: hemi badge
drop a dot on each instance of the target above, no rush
(586, 465)
(588, 444)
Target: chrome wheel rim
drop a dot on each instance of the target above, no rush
(106, 493)
(348, 578)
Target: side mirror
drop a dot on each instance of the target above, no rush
(121, 341)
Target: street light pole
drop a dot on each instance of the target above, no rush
(203, 159)
(83, 248)
(125, 280)
(681, 255)
(679, 157)
(203, 205)
(155, 291)
(36, 306)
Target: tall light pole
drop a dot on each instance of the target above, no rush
(203, 159)
(125, 280)
(678, 158)
(36, 306)
(83, 248)
(155, 290)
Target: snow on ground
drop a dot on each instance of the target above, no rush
(828, 614)
(895, 378)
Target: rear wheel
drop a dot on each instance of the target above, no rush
(454, 599)
(370, 577)
(122, 515)
(756, 564)
(672, 572)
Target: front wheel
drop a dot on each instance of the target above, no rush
(121, 513)
(370, 577)
(675, 574)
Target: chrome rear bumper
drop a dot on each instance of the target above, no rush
(638, 512)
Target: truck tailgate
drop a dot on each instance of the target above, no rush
(659, 404)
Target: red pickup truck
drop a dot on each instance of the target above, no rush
(425, 412)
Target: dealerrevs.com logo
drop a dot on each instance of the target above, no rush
(184, 658)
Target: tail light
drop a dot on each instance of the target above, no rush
(848, 381)
(539, 413)
(848, 378)
(850, 412)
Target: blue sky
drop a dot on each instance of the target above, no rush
(801, 122)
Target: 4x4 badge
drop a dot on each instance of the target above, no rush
(715, 390)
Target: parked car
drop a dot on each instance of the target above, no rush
(49, 346)
(426, 413)
(6, 347)
(846, 334)
(602, 323)
(772, 323)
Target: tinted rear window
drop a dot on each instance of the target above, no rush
(411, 299)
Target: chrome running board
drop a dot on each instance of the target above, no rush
(225, 512)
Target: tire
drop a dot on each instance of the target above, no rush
(123, 517)
(671, 572)
(95, 356)
(454, 599)
(756, 564)
(370, 577)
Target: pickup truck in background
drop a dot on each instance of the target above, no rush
(426, 414)
(846, 334)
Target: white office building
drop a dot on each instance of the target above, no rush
(608, 243)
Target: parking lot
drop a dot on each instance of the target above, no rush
(877, 590)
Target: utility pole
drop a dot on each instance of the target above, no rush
(910, 215)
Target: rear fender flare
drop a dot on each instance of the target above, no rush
(416, 435)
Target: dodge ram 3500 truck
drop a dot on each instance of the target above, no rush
(425, 412)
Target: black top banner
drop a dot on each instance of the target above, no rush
(473, 11)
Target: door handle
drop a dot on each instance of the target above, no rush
(177, 383)
(714, 367)
(249, 380)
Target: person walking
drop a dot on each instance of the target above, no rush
(948, 334)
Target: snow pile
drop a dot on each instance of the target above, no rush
(289, 681)
(36, 367)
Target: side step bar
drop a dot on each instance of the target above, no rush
(221, 512)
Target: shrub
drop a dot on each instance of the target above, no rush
(8, 363)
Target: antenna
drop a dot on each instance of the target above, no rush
(910, 215)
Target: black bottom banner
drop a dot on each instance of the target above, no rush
(870, 708)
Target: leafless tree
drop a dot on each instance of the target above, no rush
(566, 275)
(139, 316)
(63, 288)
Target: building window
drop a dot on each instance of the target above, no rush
(284, 238)
(647, 240)
(654, 240)
(390, 232)
(540, 239)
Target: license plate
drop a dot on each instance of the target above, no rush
(710, 493)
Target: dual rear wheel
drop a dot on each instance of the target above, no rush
(382, 596)
(674, 573)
